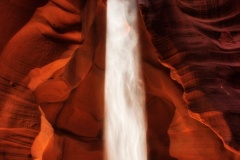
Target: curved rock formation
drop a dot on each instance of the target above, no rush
(199, 42)
(52, 79)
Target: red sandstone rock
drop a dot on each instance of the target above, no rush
(57, 61)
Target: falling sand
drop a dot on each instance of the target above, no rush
(125, 125)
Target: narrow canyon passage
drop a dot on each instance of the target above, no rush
(62, 98)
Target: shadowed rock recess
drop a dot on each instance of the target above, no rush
(52, 69)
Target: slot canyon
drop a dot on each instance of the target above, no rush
(55, 72)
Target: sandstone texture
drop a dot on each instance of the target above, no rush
(52, 70)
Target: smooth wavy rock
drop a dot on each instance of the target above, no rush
(19, 121)
(47, 37)
(57, 60)
(199, 41)
(15, 14)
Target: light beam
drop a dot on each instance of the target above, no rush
(125, 125)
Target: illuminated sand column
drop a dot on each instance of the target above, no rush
(125, 126)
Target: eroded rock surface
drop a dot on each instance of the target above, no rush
(56, 61)
(199, 42)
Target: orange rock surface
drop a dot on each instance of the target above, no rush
(52, 68)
